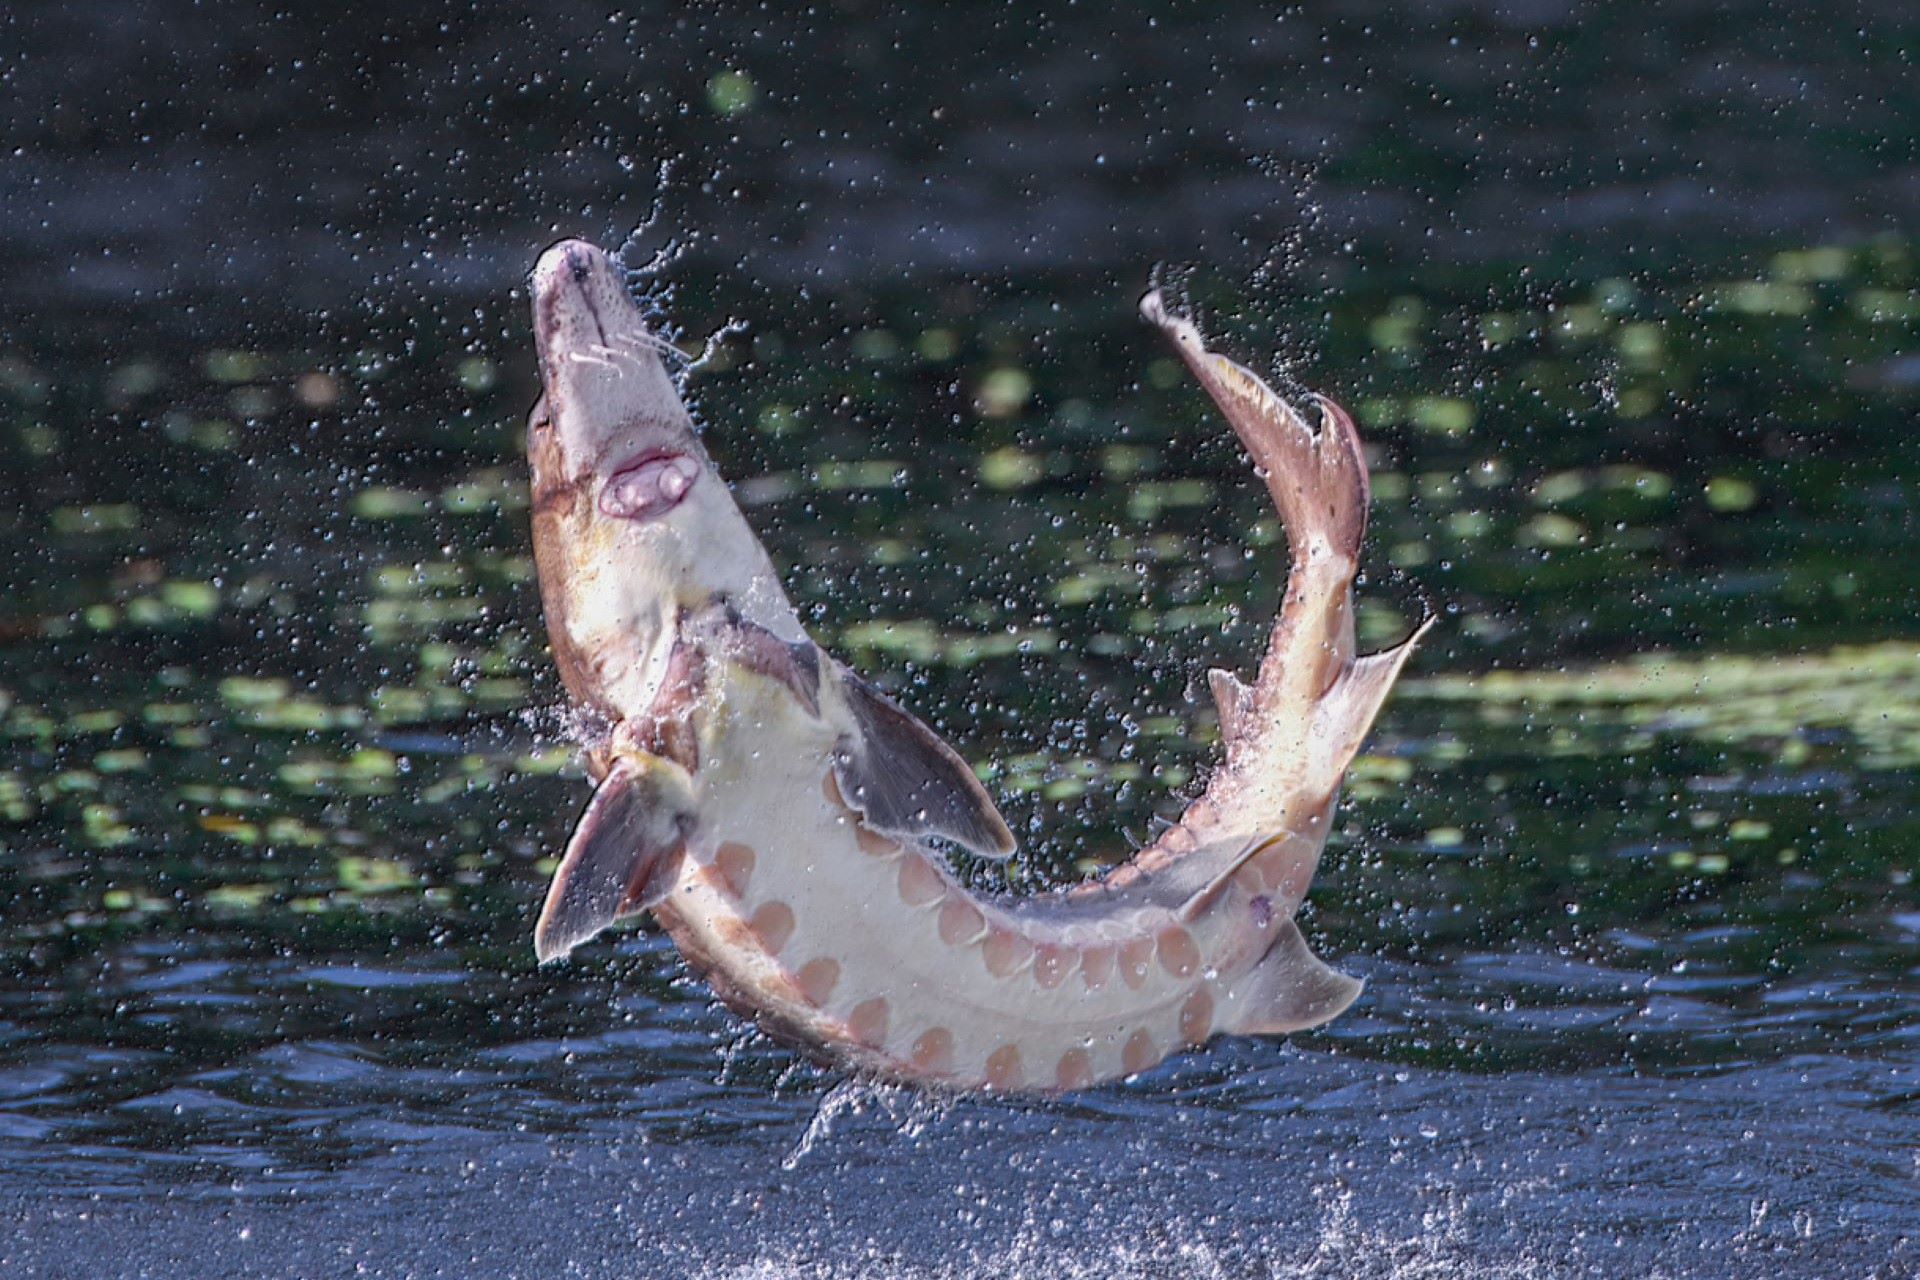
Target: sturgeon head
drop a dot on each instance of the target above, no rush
(633, 527)
(657, 596)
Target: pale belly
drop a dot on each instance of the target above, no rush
(867, 946)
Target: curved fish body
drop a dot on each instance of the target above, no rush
(785, 822)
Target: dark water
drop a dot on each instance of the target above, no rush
(1631, 319)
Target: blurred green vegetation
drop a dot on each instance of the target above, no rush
(272, 676)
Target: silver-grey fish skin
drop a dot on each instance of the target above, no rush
(783, 820)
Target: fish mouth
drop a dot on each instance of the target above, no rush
(649, 485)
(608, 392)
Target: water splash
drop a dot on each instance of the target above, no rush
(1344, 1248)
(847, 1097)
(909, 1111)
(565, 724)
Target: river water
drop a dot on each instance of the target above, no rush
(1627, 312)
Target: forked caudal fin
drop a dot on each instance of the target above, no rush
(1318, 480)
(1292, 732)
(1314, 699)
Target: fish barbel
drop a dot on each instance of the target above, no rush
(784, 820)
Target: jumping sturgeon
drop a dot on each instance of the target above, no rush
(776, 813)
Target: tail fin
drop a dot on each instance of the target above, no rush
(1318, 480)
(1290, 734)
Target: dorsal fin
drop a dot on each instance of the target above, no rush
(1347, 710)
(904, 779)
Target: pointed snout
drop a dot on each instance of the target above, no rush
(607, 392)
(579, 301)
(581, 306)
(569, 263)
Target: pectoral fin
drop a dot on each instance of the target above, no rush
(904, 779)
(623, 855)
